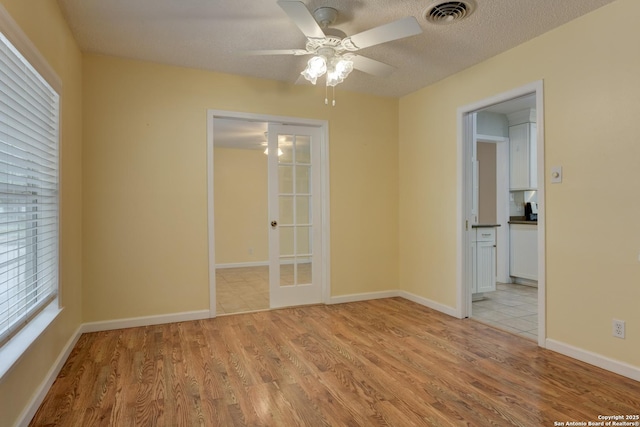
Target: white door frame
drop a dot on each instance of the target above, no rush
(464, 202)
(325, 267)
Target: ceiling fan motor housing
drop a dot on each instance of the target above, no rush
(325, 16)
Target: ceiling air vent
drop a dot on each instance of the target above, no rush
(447, 12)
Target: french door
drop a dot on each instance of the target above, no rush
(295, 210)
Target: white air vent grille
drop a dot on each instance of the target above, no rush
(449, 11)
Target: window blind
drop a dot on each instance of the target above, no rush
(29, 133)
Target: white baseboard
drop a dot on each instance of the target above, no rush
(390, 294)
(144, 321)
(595, 359)
(451, 311)
(243, 264)
(25, 418)
(525, 282)
(261, 263)
(341, 299)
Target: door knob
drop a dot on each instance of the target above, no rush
(274, 224)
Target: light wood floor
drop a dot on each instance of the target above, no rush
(382, 362)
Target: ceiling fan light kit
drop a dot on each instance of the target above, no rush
(337, 67)
(316, 67)
(332, 52)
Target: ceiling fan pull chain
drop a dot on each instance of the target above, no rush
(333, 95)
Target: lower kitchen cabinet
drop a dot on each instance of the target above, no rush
(483, 249)
(523, 247)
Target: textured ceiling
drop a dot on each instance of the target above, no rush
(212, 34)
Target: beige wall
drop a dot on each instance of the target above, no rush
(45, 27)
(145, 183)
(142, 247)
(590, 70)
(240, 205)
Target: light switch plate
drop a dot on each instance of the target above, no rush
(556, 174)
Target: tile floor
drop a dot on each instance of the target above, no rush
(243, 289)
(511, 307)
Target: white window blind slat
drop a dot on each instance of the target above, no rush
(44, 240)
(18, 146)
(34, 107)
(24, 166)
(23, 132)
(31, 111)
(29, 210)
(16, 120)
(19, 76)
(46, 274)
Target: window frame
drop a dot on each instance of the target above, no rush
(19, 341)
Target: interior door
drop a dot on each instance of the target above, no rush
(294, 215)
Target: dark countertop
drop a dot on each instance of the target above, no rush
(485, 225)
(521, 220)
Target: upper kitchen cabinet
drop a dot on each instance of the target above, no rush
(523, 162)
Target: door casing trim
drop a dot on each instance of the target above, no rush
(463, 297)
(325, 267)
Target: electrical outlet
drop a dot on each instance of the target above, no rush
(618, 328)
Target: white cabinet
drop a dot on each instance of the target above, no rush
(483, 249)
(523, 162)
(523, 247)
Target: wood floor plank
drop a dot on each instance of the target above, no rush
(387, 362)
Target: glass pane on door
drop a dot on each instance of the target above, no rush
(304, 271)
(287, 271)
(286, 210)
(285, 178)
(287, 241)
(303, 149)
(303, 179)
(303, 210)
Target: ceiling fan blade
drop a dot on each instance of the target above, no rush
(371, 66)
(295, 52)
(301, 16)
(395, 30)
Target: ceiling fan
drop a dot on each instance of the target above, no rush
(333, 52)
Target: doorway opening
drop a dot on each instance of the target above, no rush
(501, 257)
(267, 211)
(240, 213)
